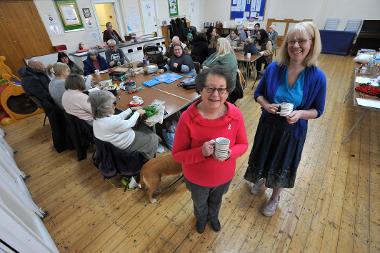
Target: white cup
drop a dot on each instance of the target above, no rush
(97, 72)
(248, 55)
(286, 109)
(222, 147)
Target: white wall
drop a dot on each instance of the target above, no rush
(91, 36)
(219, 10)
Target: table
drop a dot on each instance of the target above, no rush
(355, 94)
(247, 62)
(176, 98)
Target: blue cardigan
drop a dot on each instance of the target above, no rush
(314, 90)
(88, 66)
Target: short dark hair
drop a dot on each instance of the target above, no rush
(257, 24)
(201, 78)
(75, 82)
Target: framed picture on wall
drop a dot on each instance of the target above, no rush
(86, 12)
(173, 8)
(69, 14)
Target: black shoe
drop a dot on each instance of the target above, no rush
(215, 224)
(200, 227)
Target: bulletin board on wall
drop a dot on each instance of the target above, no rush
(247, 9)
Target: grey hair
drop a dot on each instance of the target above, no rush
(101, 103)
(111, 42)
(200, 80)
(93, 51)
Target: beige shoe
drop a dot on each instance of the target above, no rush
(271, 207)
(259, 187)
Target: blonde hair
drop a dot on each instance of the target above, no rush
(224, 46)
(310, 30)
(58, 68)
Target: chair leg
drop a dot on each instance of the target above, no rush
(44, 121)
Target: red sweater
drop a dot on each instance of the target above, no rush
(193, 130)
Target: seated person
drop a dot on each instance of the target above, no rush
(180, 62)
(272, 35)
(199, 51)
(243, 33)
(57, 84)
(117, 129)
(250, 47)
(234, 40)
(111, 34)
(75, 69)
(212, 38)
(94, 61)
(175, 42)
(255, 30)
(114, 55)
(74, 101)
(223, 57)
(81, 48)
(264, 47)
(35, 82)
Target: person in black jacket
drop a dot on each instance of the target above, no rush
(74, 68)
(199, 51)
(36, 83)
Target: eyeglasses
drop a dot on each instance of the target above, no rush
(300, 42)
(211, 90)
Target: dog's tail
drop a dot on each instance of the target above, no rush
(143, 183)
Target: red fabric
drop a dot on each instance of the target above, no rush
(368, 89)
(193, 130)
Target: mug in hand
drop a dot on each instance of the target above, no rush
(222, 146)
(285, 109)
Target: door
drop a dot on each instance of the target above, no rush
(106, 13)
(148, 11)
(22, 33)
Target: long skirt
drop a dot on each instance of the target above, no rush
(145, 142)
(276, 152)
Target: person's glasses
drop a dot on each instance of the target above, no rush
(300, 42)
(211, 90)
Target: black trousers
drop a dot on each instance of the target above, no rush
(206, 200)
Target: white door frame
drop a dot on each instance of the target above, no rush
(119, 16)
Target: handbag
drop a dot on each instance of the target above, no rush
(188, 83)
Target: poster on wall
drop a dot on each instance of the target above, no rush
(173, 8)
(53, 26)
(69, 14)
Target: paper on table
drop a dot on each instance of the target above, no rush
(368, 102)
(366, 80)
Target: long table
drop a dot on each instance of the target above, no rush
(359, 95)
(240, 57)
(176, 98)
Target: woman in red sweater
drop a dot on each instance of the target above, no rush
(208, 177)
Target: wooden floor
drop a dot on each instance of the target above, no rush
(334, 207)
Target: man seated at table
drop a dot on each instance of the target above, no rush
(111, 34)
(114, 55)
(180, 62)
(250, 47)
(94, 62)
(176, 42)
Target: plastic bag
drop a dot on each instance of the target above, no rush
(159, 116)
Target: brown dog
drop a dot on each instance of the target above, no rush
(154, 169)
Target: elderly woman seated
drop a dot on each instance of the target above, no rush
(114, 55)
(119, 130)
(180, 62)
(74, 101)
(94, 61)
(57, 84)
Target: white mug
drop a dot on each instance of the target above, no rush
(97, 72)
(248, 55)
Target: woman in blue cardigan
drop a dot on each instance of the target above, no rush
(279, 140)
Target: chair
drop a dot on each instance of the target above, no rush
(38, 104)
(197, 66)
(238, 92)
(112, 161)
(80, 134)
(59, 48)
(353, 25)
(331, 24)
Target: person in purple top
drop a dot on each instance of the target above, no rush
(279, 138)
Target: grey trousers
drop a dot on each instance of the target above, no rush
(206, 200)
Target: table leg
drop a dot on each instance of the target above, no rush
(354, 126)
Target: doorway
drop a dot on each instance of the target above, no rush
(106, 12)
